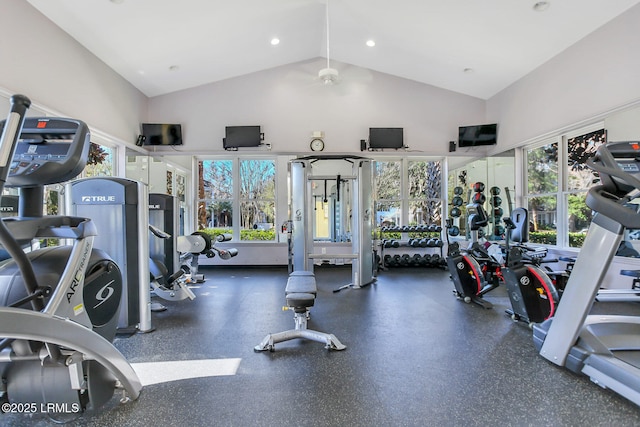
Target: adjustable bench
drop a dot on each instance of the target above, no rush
(300, 293)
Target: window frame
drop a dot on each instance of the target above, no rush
(236, 199)
(562, 192)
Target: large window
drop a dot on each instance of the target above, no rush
(425, 192)
(542, 192)
(579, 179)
(408, 192)
(239, 191)
(388, 185)
(100, 161)
(557, 183)
(257, 199)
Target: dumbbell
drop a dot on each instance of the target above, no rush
(404, 260)
(416, 259)
(388, 260)
(494, 191)
(455, 212)
(478, 187)
(458, 191)
(454, 231)
(496, 201)
(436, 260)
(498, 230)
(457, 201)
(479, 198)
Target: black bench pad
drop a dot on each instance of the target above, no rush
(298, 283)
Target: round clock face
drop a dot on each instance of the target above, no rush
(317, 144)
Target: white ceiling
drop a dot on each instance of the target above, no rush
(427, 41)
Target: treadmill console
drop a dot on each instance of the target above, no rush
(623, 155)
(50, 150)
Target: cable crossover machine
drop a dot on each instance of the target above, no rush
(350, 214)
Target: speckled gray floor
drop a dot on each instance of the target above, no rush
(415, 357)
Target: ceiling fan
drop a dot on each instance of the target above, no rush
(328, 75)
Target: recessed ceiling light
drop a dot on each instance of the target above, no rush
(275, 41)
(468, 70)
(117, 1)
(174, 68)
(541, 6)
(371, 43)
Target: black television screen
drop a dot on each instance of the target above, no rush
(242, 136)
(473, 136)
(162, 134)
(386, 138)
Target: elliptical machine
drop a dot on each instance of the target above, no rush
(58, 305)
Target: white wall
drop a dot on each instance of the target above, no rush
(595, 76)
(46, 64)
(289, 105)
(623, 126)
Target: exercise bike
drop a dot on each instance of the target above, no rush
(58, 305)
(533, 296)
(473, 271)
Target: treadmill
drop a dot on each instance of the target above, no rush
(605, 348)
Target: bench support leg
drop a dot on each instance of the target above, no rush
(300, 331)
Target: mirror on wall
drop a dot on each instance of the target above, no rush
(497, 176)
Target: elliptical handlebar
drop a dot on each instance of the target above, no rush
(10, 134)
(8, 141)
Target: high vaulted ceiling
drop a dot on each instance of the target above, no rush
(475, 47)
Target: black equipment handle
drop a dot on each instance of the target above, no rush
(10, 134)
(175, 276)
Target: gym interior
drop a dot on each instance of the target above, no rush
(308, 239)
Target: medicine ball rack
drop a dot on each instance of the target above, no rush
(418, 237)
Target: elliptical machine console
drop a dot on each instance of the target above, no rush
(58, 305)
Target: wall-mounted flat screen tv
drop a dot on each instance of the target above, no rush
(386, 138)
(477, 135)
(242, 136)
(162, 134)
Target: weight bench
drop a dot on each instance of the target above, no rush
(300, 293)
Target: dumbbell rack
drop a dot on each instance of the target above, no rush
(431, 239)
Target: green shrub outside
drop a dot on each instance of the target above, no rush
(576, 240)
(245, 235)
